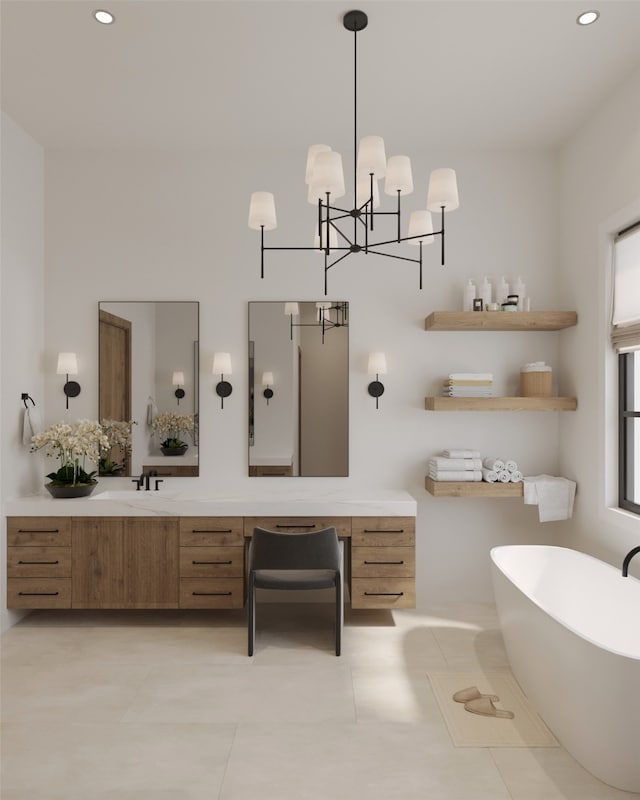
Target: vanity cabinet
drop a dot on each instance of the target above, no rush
(211, 562)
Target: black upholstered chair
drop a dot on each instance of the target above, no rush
(294, 561)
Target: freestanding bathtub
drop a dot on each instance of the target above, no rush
(571, 626)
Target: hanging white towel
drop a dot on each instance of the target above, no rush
(554, 496)
(152, 410)
(31, 425)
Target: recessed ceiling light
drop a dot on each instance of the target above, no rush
(104, 17)
(587, 17)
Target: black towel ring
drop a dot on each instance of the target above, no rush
(25, 396)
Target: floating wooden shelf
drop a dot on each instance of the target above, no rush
(500, 320)
(473, 488)
(500, 403)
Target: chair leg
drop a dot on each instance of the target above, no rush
(251, 617)
(339, 613)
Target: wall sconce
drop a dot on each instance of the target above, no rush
(222, 365)
(267, 381)
(178, 380)
(68, 365)
(377, 366)
(291, 310)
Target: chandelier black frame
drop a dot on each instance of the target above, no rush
(325, 323)
(364, 215)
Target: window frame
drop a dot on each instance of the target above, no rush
(627, 411)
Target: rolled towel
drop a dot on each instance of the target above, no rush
(461, 453)
(504, 476)
(516, 476)
(489, 475)
(456, 475)
(455, 463)
(493, 463)
(510, 466)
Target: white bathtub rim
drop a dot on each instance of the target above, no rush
(579, 633)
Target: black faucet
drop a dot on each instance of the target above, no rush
(627, 561)
(145, 478)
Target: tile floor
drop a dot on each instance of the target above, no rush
(167, 706)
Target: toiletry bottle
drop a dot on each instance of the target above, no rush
(469, 296)
(519, 288)
(485, 292)
(502, 290)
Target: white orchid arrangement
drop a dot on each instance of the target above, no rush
(73, 446)
(118, 433)
(172, 426)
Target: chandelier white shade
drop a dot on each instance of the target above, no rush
(341, 232)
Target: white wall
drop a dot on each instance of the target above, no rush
(601, 193)
(151, 225)
(22, 303)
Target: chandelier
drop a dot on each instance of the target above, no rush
(329, 315)
(340, 232)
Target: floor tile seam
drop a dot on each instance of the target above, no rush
(499, 771)
(226, 766)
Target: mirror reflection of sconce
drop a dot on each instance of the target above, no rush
(377, 366)
(178, 380)
(267, 382)
(291, 310)
(68, 365)
(222, 366)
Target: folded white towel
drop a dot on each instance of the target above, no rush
(471, 376)
(493, 463)
(455, 463)
(504, 476)
(516, 476)
(456, 475)
(31, 425)
(510, 466)
(554, 496)
(489, 475)
(461, 453)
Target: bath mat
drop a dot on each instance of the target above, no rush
(526, 729)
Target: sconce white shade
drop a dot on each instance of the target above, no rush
(399, 177)
(328, 176)
(67, 364)
(178, 379)
(377, 364)
(291, 309)
(333, 238)
(443, 190)
(420, 222)
(262, 211)
(363, 191)
(222, 364)
(312, 152)
(267, 379)
(372, 157)
(322, 309)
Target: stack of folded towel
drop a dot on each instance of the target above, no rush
(500, 470)
(468, 384)
(456, 465)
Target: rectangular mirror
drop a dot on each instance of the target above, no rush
(148, 373)
(299, 389)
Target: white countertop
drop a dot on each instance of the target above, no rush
(195, 503)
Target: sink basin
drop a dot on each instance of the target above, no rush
(131, 495)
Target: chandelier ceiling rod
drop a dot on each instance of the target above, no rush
(326, 181)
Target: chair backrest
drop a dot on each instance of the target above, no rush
(315, 550)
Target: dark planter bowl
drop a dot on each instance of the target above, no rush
(81, 490)
(175, 451)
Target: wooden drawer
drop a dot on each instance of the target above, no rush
(211, 562)
(211, 592)
(383, 562)
(39, 593)
(39, 562)
(298, 524)
(274, 470)
(173, 470)
(32, 531)
(383, 531)
(383, 593)
(216, 531)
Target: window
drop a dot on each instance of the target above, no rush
(625, 338)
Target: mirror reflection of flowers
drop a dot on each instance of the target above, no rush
(113, 458)
(73, 445)
(172, 426)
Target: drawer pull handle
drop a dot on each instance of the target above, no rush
(211, 594)
(294, 526)
(383, 594)
(212, 530)
(36, 530)
(380, 530)
(212, 562)
(384, 562)
(38, 594)
(38, 562)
